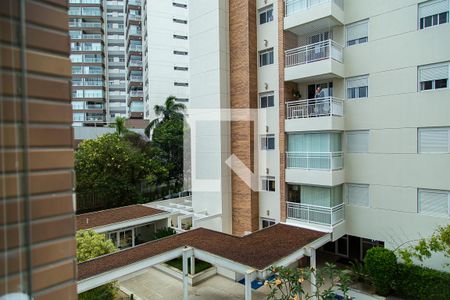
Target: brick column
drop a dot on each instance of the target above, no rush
(243, 94)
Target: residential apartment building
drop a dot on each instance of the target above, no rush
(110, 41)
(352, 134)
(37, 228)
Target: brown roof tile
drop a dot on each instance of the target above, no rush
(114, 215)
(258, 250)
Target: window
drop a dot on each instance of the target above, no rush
(179, 5)
(176, 68)
(358, 87)
(180, 37)
(358, 141)
(266, 57)
(268, 184)
(357, 194)
(434, 140)
(182, 99)
(181, 84)
(435, 76)
(268, 142)
(432, 13)
(358, 33)
(180, 52)
(266, 100)
(267, 223)
(433, 202)
(266, 14)
(78, 117)
(179, 21)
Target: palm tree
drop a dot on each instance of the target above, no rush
(170, 110)
(121, 129)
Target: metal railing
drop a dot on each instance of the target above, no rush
(87, 36)
(85, 24)
(136, 78)
(135, 48)
(328, 49)
(134, 17)
(135, 63)
(294, 6)
(136, 94)
(315, 160)
(316, 107)
(315, 214)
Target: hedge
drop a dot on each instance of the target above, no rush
(415, 282)
(381, 264)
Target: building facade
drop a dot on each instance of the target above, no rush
(127, 56)
(352, 131)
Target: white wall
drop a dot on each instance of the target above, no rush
(209, 82)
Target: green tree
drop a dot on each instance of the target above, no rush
(163, 232)
(288, 283)
(111, 168)
(422, 249)
(121, 129)
(169, 111)
(381, 265)
(91, 245)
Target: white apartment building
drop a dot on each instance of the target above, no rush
(166, 49)
(127, 56)
(366, 157)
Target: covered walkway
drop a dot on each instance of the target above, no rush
(250, 255)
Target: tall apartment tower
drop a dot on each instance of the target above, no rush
(37, 230)
(352, 133)
(110, 41)
(166, 49)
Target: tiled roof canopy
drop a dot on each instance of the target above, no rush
(258, 250)
(115, 215)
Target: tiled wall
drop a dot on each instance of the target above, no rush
(36, 156)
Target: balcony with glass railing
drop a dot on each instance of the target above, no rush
(327, 161)
(315, 205)
(136, 94)
(92, 36)
(86, 25)
(317, 114)
(316, 13)
(322, 60)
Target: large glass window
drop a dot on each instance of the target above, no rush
(315, 195)
(432, 13)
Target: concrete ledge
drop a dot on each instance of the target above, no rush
(192, 280)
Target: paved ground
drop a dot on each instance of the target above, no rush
(155, 285)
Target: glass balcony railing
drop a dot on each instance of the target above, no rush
(294, 6)
(315, 214)
(327, 161)
(316, 107)
(311, 53)
(85, 24)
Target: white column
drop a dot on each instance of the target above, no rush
(312, 263)
(185, 274)
(192, 265)
(248, 286)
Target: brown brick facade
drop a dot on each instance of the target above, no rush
(243, 94)
(36, 156)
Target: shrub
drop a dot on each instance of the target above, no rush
(381, 264)
(163, 232)
(416, 282)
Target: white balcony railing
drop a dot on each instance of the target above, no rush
(294, 6)
(136, 94)
(327, 161)
(328, 49)
(315, 214)
(317, 107)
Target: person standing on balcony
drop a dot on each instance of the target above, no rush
(318, 99)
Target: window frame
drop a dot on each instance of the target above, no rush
(419, 139)
(435, 18)
(265, 142)
(270, 57)
(360, 40)
(421, 84)
(357, 131)
(266, 95)
(266, 185)
(264, 11)
(443, 215)
(359, 185)
(357, 90)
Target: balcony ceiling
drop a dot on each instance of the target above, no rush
(315, 26)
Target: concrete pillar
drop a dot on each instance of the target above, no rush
(313, 275)
(185, 275)
(192, 265)
(248, 286)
